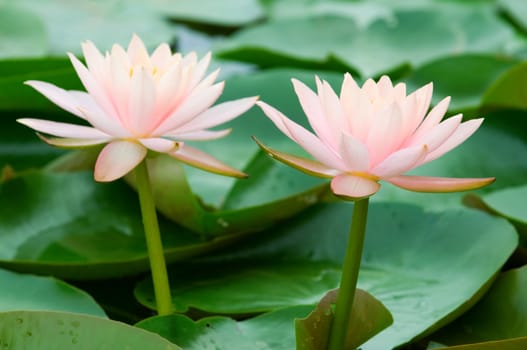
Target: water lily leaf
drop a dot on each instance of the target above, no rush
(70, 226)
(515, 9)
(509, 203)
(505, 304)
(270, 331)
(107, 22)
(452, 78)
(509, 90)
(21, 330)
(369, 316)
(400, 238)
(22, 34)
(382, 46)
(509, 344)
(229, 13)
(28, 292)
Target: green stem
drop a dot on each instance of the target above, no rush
(153, 241)
(350, 274)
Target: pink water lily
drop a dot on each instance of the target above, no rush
(137, 102)
(372, 133)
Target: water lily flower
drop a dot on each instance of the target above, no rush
(137, 102)
(372, 133)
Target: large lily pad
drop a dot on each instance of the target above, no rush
(28, 292)
(70, 226)
(500, 315)
(382, 46)
(22, 34)
(509, 90)
(427, 268)
(22, 330)
(270, 331)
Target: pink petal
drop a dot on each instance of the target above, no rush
(304, 138)
(357, 108)
(433, 118)
(400, 162)
(200, 135)
(218, 114)
(438, 184)
(313, 110)
(71, 143)
(423, 97)
(141, 102)
(353, 187)
(191, 107)
(354, 153)
(439, 134)
(334, 116)
(101, 121)
(385, 86)
(160, 145)
(63, 129)
(58, 96)
(93, 88)
(200, 69)
(204, 161)
(161, 55)
(117, 159)
(94, 59)
(137, 52)
(463, 132)
(307, 166)
(385, 135)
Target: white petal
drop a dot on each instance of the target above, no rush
(400, 162)
(137, 52)
(385, 135)
(433, 118)
(353, 187)
(161, 55)
(72, 143)
(218, 114)
(160, 145)
(439, 134)
(58, 96)
(200, 69)
(63, 129)
(201, 135)
(117, 159)
(204, 161)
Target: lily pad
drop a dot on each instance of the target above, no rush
(427, 268)
(270, 331)
(505, 304)
(509, 344)
(509, 90)
(28, 292)
(70, 226)
(22, 34)
(382, 46)
(21, 330)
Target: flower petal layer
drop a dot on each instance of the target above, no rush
(353, 187)
(117, 159)
(439, 184)
(63, 129)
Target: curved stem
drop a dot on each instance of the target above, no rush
(153, 241)
(350, 274)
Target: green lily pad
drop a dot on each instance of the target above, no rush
(505, 304)
(427, 268)
(382, 46)
(270, 331)
(509, 90)
(509, 344)
(515, 9)
(28, 292)
(70, 226)
(22, 34)
(368, 317)
(103, 22)
(22, 330)
(228, 13)
(452, 78)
